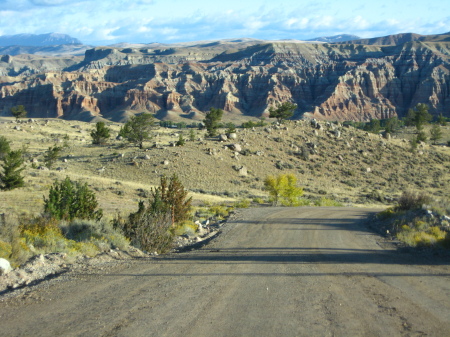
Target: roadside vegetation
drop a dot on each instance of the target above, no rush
(418, 220)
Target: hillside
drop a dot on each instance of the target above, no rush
(335, 162)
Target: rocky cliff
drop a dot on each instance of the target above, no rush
(326, 81)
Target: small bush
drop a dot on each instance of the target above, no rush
(259, 200)
(326, 202)
(386, 214)
(101, 233)
(146, 230)
(410, 201)
(242, 203)
(42, 235)
(186, 228)
(5, 250)
(218, 211)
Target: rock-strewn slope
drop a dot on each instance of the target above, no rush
(335, 82)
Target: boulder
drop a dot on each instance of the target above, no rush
(5, 266)
(236, 147)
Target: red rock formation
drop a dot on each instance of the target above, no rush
(334, 82)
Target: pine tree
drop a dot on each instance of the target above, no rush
(421, 116)
(137, 129)
(100, 134)
(283, 111)
(4, 147)
(12, 168)
(435, 133)
(68, 200)
(51, 155)
(174, 198)
(212, 120)
(18, 111)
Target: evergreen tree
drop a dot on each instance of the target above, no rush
(100, 134)
(137, 129)
(192, 135)
(12, 168)
(409, 118)
(4, 146)
(435, 133)
(420, 116)
(173, 197)
(373, 126)
(441, 120)
(51, 155)
(392, 125)
(212, 120)
(68, 200)
(180, 141)
(421, 136)
(18, 111)
(283, 111)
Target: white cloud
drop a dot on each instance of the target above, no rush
(102, 22)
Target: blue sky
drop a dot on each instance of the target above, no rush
(103, 22)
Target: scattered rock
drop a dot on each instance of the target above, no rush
(5, 267)
(236, 147)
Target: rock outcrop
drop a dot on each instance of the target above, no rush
(326, 81)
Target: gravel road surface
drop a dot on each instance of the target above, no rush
(272, 272)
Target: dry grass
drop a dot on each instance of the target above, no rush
(357, 168)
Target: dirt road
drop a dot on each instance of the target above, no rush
(273, 272)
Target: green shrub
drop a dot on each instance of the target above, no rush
(258, 200)
(68, 200)
(218, 211)
(326, 202)
(242, 203)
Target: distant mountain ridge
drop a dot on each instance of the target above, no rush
(398, 39)
(335, 38)
(37, 40)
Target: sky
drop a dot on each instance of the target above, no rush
(105, 22)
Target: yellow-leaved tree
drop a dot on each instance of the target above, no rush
(283, 188)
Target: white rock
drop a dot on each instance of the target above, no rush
(5, 266)
(236, 147)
